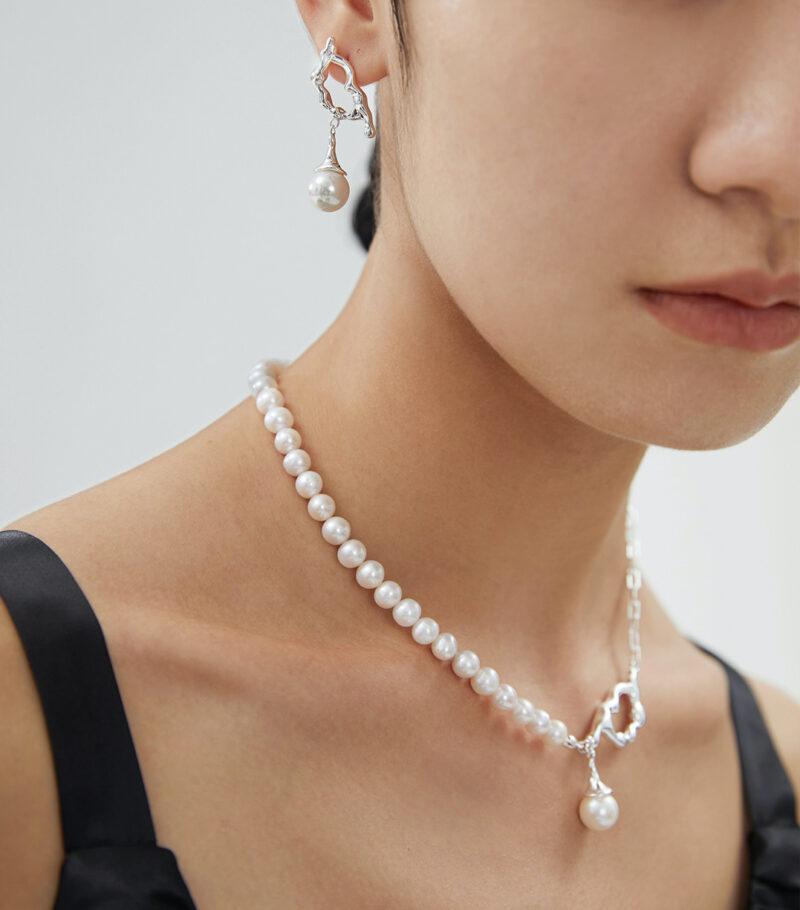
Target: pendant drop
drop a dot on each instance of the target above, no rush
(329, 189)
(598, 809)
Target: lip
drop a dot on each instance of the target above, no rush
(752, 288)
(718, 320)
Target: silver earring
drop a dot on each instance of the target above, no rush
(329, 189)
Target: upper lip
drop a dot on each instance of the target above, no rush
(753, 288)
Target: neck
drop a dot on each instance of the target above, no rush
(498, 511)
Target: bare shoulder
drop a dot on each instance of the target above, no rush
(31, 845)
(146, 532)
(138, 544)
(782, 715)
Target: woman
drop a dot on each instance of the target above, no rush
(478, 410)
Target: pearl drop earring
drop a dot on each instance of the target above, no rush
(329, 189)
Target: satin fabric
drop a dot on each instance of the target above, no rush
(132, 877)
(774, 837)
(112, 860)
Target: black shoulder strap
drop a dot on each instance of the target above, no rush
(774, 837)
(768, 789)
(101, 792)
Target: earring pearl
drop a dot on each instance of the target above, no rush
(328, 189)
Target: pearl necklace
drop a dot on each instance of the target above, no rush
(598, 809)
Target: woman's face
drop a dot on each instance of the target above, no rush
(560, 154)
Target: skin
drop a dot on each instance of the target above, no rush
(480, 407)
(548, 159)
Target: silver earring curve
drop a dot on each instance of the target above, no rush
(329, 189)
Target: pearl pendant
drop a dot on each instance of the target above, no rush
(598, 809)
(328, 189)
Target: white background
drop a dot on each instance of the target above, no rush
(156, 238)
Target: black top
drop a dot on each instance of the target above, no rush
(112, 860)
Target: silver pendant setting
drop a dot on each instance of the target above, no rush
(598, 809)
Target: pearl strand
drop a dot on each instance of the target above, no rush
(598, 809)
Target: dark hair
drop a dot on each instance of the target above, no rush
(367, 209)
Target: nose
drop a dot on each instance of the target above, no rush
(750, 140)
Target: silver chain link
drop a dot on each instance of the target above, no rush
(633, 584)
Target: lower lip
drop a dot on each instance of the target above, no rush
(722, 321)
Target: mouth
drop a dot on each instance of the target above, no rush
(719, 320)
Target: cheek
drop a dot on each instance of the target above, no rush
(536, 158)
(546, 171)
(516, 196)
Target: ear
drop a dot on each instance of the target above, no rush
(361, 30)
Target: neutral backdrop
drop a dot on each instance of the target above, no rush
(156, 239)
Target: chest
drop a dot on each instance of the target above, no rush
(319, 788)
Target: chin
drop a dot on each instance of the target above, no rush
(689, 428)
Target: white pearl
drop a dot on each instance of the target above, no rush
(260, 369)
(388, 594)
(445, 646)
(425, 630)
(308, 483)
(351, 553)
(485, 681)
(599, 812)
(328, 190)
(407, 612)
(523, 711)
(321, 506)
(336, 530)
(370, 574)
(557, 732)
(269, 398)
(286, 439)
(540, 721)
(465, 664)
(259, 381)
(296, 461)
(275, 418)
(505, 697)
